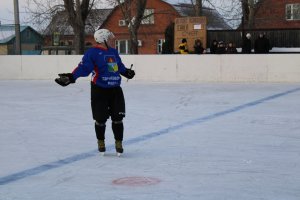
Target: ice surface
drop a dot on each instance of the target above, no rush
(197, 141)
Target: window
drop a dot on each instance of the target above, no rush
(148, 16)
(140, 43)
(55, 38)
(159, 45)
(292, 11)
(122, 46)
(122, 22)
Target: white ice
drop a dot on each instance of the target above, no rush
(203, 141)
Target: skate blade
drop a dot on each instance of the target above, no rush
(119, 154)
(102, 153)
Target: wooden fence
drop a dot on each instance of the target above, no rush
(288, 38)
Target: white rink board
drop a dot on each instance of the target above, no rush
(167, 68)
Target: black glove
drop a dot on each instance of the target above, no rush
(65, 79)
(129, 73)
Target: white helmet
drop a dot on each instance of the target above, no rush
(102, 35)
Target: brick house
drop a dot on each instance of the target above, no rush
(277, 14)
(151, 34)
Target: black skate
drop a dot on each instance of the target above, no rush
(119, 147)
(101, 146)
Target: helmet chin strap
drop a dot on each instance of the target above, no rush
(106, 44)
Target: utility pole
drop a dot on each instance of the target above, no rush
(17, 28)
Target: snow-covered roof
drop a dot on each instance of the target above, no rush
(214, 20)
(7, 32)
(61, 25)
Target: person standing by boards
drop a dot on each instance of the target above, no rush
(107, 98)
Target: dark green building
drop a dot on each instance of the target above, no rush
(31, 40)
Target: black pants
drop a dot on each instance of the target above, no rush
(108, 102)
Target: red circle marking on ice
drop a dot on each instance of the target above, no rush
(136, 181)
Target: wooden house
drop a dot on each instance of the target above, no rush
(31, 40)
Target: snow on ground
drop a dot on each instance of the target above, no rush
(183, 141)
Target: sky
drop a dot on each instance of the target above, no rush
(7, 11)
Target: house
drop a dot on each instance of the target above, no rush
(151, 34)
(275, 14)
(31, 40)
(59, 35)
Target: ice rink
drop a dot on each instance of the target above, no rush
(183, 141)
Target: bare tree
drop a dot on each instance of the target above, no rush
(230, 10)
(236, 10)
(41, 12)
(248, 8)
(197, 4)
(77, 12)
(198, 7)
(133, 13)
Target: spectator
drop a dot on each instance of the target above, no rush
(198, 48)
(262, 44)
(183, 48)
(221, 48)
(167, 47)
(231, 48)
(268, 45)
(213, 47)
(246, 48)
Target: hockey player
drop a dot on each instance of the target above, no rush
(107, 99)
